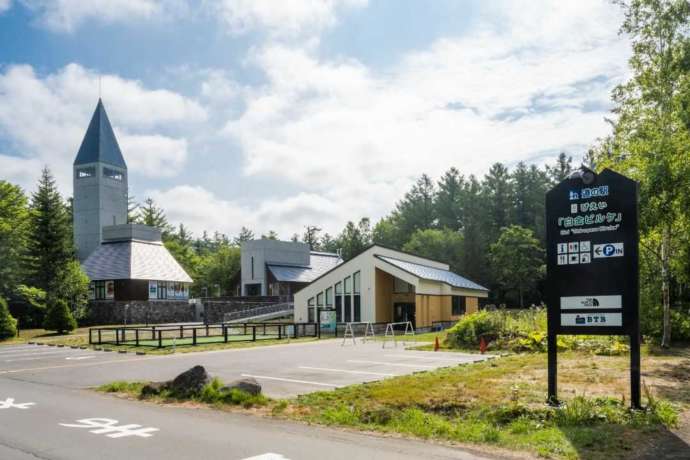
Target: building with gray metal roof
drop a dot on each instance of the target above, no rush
(124, 261)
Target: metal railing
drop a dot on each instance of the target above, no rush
(161, 336)
(258, 311)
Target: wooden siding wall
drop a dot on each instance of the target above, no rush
(384, 297)
(430, 308)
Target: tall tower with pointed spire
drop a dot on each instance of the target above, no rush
(100, 184)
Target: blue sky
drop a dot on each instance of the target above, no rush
(277, 115)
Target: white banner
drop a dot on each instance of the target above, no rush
(591, 302)
(591, 319)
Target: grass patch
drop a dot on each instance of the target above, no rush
(213, 393)
(501, 403)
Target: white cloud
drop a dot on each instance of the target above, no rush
(5, 5)
(21, 171)
(284, 17)
(153, 155)
(44, 119)
(66, 15)
(505, 92)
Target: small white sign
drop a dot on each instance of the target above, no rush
(608, 250)
(573, 259)
(10, 404)
(585, 258)
(585, 246)
(573, 246)
(562, 259)
(108, 427)
(591, 301)
(562, 248)
(591, 319)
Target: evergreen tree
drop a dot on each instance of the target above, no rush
(50, 245)
(475, 242)
(132, 210)
(498, 198)
(328, 244)
(444, 245)
(14, 219)
(58, 317)
(245, 235)
(271, 235)
(184, 236)
(72, 285)
(416, 210)
(561, 170)
(8, 325)
(448, 200)
(387, 233)
(518, 260)
(355, 238)
(153, 216)
(311, 237)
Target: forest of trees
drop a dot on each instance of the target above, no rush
(489, 229)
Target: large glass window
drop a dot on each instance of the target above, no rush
(348, 308)
(357, 307)
(100, 289)
(459, 305)
(356, 282)
(310, 302)
(401, 287)
(319, 299)
(162, 290)
(113, 174)
(339, 308)
(348, 285)
(310, 314)
(338, 288)
(329, 297)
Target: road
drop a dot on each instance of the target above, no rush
(47, 391)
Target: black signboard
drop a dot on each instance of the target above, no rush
(592, 282)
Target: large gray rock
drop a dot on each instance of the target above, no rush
(248, 384)
(152, 389)
(189, 383)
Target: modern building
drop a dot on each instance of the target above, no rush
(280, 268)
(382, 285)
(124, 261)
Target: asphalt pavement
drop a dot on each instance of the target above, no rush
(47, 410)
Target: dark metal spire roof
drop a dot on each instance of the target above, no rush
(99, 144)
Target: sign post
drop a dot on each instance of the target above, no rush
(592, 265)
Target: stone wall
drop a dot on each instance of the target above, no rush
(215, 310)
(140, 312)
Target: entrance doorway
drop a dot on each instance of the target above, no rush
(403, 312)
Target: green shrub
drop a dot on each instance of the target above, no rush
(524, 331)
(58, 317)
(215, 393)
(8, 325)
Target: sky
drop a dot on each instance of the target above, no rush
(275, 115)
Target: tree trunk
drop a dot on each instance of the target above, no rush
(666, 285)
(522, 303)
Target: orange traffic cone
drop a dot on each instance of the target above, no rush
(482, 345)
(436, 344)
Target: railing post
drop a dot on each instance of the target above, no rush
(280, 331)
(294, 331)
(117, 336)
(153, 332)
(99, 337)
(90, 336)
(181, 331)
(136, 337)
(160, 338)
(245, 328)
(194, 336)
(225, 333)
(253, 333)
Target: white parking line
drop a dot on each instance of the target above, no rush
(281, 379)
(347, 371)
(46, 354)
(439, 358)
(22, 350)
(382, 363)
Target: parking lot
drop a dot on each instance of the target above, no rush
(283, 370)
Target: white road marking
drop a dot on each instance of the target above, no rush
(108, 427)
(267, 456)
(347, 371)
(281, 379)
(383, 363)
(79, 358)
(9, 403)
(440, 358)
(25, 350)
(35, 356)
(64, 366)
